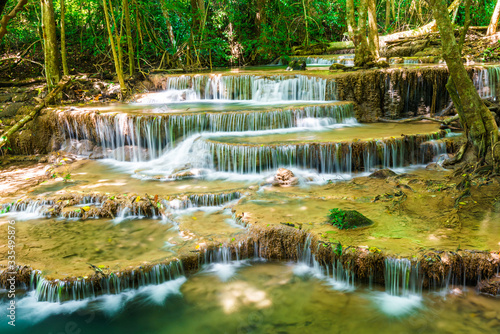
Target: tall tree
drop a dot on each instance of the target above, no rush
(168, 23)
(373, 41)
(387, 14)
(476, 118)
(52, 67)
(64, 53)
(117, 61)
(130, 45)
(364, 53)
(492, 28)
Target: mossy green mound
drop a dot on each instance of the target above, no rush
(347, 220)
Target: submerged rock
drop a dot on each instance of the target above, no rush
(382, 174)
(347, 220)
(130, 153)
(285, 178)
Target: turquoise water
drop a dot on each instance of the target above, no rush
(244, 297)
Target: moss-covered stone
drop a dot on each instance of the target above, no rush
(348, 220)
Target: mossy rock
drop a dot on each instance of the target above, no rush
(348, 219)
(382, 174)
(297, 65)
(335, 67)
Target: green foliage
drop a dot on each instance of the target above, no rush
(227, 33)
(6, 209)
(337, 218)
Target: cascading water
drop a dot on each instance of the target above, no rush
(402, 277)
(334, 274)
(487, 82)
(403, 287)
(328, 158)
(127, 137)
(114, 283)
(239, 87)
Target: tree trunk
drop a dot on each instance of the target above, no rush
(119, 71)
(5, 20)
(63, 39)
(492, 28)
(351, 20)
(373, 41)
(476, 118)
(52, 67)
(387, 15)
(170, 30)
(128, 27)
(362, 54)
(306, 22)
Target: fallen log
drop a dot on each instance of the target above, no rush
(21, 83)
(43, 103)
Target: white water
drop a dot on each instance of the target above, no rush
(29, 311)
(273, 89)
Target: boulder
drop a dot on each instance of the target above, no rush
(382, 174)
(335, 67)
(296, 65)
(285, 178)
(11, 110)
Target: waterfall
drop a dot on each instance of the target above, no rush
(328, 158)
(138, 138)
(486, 81)
(205, 200)
(239, 87)
(334, 274)
(101, 284)
(402, 278)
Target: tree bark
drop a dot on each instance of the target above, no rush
(130, 45)
(492, 28)
(387, 15)
(63, 39)
(351, 19)
(19, 125)
(306, 22)
(5, 20)
(362, 54)
(52, 67)
(477, 120)
(373, 41)
(119, 71)
(170, 30)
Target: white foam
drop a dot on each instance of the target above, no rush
(397, 305)
(225, 271)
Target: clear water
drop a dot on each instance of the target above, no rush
(260, 298)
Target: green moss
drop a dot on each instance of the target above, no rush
(346, 220)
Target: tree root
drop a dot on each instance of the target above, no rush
(445, 121)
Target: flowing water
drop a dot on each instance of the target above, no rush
(206, 149)
(260, 298)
